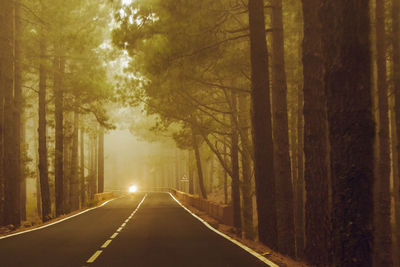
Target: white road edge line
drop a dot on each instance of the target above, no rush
(106, 243)
(94, 256)
(249, 250)
(53, 223)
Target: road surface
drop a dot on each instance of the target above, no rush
(142, 230)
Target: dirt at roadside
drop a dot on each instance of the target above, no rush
(281, 260)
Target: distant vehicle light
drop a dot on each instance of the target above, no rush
(133, 189)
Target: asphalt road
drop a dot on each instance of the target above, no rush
(130, 231)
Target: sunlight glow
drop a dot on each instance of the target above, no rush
(133, 189)
(127, 2)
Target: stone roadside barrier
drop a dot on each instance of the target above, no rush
(222, 213)
(99, 197)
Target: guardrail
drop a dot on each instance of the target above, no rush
(222, 213)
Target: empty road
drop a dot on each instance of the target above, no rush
(140, 230)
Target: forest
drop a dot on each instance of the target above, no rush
(286, 110)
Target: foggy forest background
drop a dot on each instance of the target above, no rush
(287, 110)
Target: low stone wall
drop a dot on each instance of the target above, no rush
(222, 213)
(99, 197)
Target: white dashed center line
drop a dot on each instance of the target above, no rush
(106, 243)
(114, 235)
(94, 257)
(98, 252)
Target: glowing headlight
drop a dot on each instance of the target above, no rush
(133, 189)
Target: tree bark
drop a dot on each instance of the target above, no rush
(235, 185)
(101, 160)
(346, 47)
(382, 229)
(191, 174)
(225, 177)
(74, 180)
(59, 132)
(82, 168)
(261, 126)
(43, 160)
(396, 88)
(299, 186)
(195, 145)
(284, 188)
(18, 99)
(317, 209)
(2, 90)
(244, 123)
(11, 127)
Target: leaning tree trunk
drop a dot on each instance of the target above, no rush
(346, 47)
(261, 123)
(43, 160)
(317, 230)
(284, 188)
(195, 145)
(382, 228)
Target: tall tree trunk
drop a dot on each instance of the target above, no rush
(396, 88)
(382, 229)
(11, 126)
(100, 161)
(24, 155)
(318, 229)
(225, 176)
(299, 186)
(196, 149)
(96, 161)
(37, 172)
(284, 187)
(2, 90)
(177, 178)
(211, 174)
(82, 168)
(74, 181)
(235, 186)
(67, 149)
(59, 132)
(262, 131)
(191, 174)
(18, 99)
(346, 46)
(92, 166)
(43, 160)
(246, 166)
